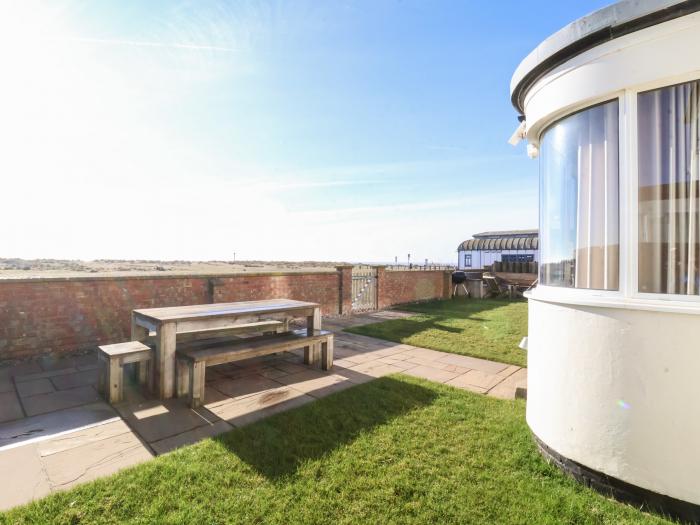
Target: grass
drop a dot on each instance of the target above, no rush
(394, 450)
(485, 328)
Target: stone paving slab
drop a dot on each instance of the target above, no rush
(6, 385)
(44, 374)
(81, 378)
(474, 363)
(317, 383)
(244, 411)
(55, 363)
(191, 436)
(480, 379)
(46, 461)
(465, 384)
(29, 479)
(506, 389)
(43, 403)
(54, 424)
(35, 387)
(244, 386)
(155, 420)
(430, 373)
(213, 397)
(94, 460)
(79, 438)
(31, 367)
(10, 409)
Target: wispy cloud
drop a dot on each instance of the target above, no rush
(275, 186)
(435, 204)
(400, 168)
(449, 148)
(146, 43)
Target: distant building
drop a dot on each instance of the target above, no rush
(504, 246)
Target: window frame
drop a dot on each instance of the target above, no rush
(628, 292)
(633, 138)
(622, 164)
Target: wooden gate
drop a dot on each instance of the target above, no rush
(364, 288)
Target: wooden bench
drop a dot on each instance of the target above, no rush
(192, 362)
(221, 333)
(111, 360)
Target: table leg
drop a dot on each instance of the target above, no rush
(312, 353)
(138, 332)
(165, 360)
(313, 322)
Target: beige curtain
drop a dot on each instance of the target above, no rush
(597, 228)
(669, 190)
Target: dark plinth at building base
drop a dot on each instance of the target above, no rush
(642, 498)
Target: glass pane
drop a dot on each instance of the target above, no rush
(669, 234)
(579, 234)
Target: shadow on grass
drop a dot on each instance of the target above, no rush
(277, 446)
(435, 315)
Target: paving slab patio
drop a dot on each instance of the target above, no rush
(56, 430)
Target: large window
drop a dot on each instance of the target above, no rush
(579, 212)
(669, 203)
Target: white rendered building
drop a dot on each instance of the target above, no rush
(501, 246)
(611, 105)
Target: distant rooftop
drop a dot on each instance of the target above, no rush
(506, 233)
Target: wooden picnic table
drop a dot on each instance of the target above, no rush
(170, 321)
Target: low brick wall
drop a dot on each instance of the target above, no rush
(55, 316)
(396, 287)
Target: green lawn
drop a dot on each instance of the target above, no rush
(394, 450)
(486, 328)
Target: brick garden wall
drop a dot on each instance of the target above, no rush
(396, 287)
(56, 316)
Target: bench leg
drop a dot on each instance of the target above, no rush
(197, 383)
(182, 381)
(327, 353)
(146, 374)
(116, 381)
(284, 327)
(311, 354)
(103, 377)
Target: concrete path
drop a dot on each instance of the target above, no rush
(55, 432)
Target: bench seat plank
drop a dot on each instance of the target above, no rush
(192, 361)
(216, 354)
(237, 329)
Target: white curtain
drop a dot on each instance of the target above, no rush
(579, 200)
(669, 190)
(597, 227)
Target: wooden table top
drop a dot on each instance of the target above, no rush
(208, 311)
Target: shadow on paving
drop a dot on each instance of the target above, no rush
(277, 446)
(431, 315)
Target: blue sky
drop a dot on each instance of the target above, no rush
(339, 130)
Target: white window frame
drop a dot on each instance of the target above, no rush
(634, 205)
(562, 292)
(628, 294)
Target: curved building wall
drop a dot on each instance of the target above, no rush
(612, 368)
